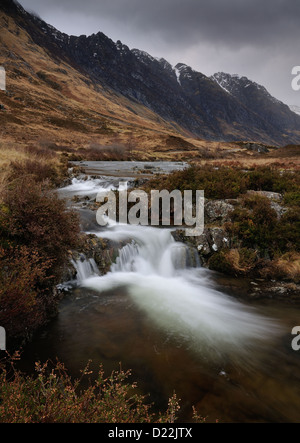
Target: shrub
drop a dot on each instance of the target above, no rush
(292, 198)
(287, 231)
(227, 182)
(36, 234)
(22, 306)
(234, 261)
(33, 169)
(286, 267)
(253, 222)
(35, 217)
(268, 178)
(53, 397)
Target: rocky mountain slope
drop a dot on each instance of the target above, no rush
(145, 90)
(295, 109)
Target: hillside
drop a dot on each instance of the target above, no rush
(78, 92)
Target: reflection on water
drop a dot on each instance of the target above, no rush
(110, 328)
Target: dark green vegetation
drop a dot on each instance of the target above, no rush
(224, 182)
(255, 223)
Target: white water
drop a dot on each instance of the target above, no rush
(85, 268)
(90, 187)
(179, 299)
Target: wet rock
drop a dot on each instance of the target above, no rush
(285, 291)
(211, 241)
(219, 238)
(204, 243)
(103, 251)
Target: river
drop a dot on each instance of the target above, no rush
(177, 326)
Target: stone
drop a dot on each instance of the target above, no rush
(219, 239)
(275, 199)
(217, 211)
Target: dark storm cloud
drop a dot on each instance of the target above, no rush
(234, 22)
(256, 38)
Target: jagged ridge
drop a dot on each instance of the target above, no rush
(223, 107)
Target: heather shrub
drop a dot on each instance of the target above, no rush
(216, 183)
(53, 397)
(292, 198)
(35, 217)
(36, 234)
(272, 179)
(33, 169)
(287, 231)
(253, 223)
(23, 304)
(224, 182)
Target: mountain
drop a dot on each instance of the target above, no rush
(135, 87)
(295, 109)
(256, 98)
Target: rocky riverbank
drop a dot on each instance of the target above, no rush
(236, 241)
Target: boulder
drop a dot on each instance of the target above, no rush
(217, 211)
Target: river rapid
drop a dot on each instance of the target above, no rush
(177, 326)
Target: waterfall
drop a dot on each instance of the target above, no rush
(125, 262)
(85, 268)
(143, 257)
(164, 279)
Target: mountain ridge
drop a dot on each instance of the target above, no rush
(187, 100)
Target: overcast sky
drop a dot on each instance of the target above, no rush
(256, 38)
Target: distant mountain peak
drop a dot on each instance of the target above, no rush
(223, 107)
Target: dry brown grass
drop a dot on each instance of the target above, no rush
(50, 100)
(10, 152)
(238, 262)
(286, 267)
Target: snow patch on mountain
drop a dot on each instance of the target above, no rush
(143, 56)
(177, 73)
